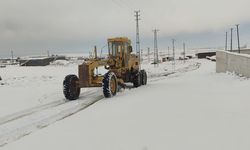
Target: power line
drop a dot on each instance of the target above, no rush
(123, 4)
(117, 3)
(131, 3)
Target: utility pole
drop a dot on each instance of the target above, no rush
(226, 43)
(102, 49)
(89, 54)
(95, 52)
(48, 53)
(148, 55)
(137, 15)
(231, 44)
(12, 57)
(173, 40)
(95, 57)
(184, 51)
(141, 55)
(238, 37)
(156, 58)
(168, 52)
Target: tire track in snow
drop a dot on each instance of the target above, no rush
(32, 110)
(18, 128)
(26, 112)
(160, 76)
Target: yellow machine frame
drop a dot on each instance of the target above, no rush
(120, 61)
(122, 66)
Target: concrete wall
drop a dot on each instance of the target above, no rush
(243, 51)
(233, 62)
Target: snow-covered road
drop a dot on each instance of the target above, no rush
(195, 110)
(35, 119)
(16, 125)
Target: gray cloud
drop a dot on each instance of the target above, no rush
(33, 26)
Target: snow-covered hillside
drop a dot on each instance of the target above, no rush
(188, 106)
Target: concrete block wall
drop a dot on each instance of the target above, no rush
(233, 62)
(243, 51)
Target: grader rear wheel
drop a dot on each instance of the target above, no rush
(70, 89)
(137, 79)
(143, 77)
(109, 85)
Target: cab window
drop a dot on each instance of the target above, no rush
(115, 48)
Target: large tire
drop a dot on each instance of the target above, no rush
(71, 90)
(137, 79)
(109, 84)
(146, 78)
(143, 77)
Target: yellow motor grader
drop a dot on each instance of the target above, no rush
(122, 65)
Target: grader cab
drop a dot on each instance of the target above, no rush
(122, 67)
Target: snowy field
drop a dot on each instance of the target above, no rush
(25, 87)
(188, 106)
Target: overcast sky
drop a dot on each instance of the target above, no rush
(35, 26)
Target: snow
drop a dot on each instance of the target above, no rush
(182, 107)
(35, 58)
(25, 87)
(212, 58)
(18, 127)
(61, 63)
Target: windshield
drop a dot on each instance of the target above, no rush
(115, 48)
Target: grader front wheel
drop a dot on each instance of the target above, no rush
(109, 85)
(70, 89)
